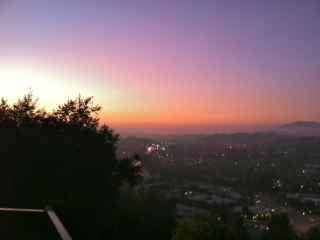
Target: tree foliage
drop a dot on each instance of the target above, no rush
(142, 215)
(64, 158)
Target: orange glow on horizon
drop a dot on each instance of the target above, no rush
(132, 105)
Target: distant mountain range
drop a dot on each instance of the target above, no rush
(300, 129)
(294, 129)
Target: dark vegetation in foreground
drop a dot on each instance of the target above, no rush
(35, 226)
(66, 159)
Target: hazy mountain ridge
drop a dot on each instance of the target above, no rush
(301, 124)
(300, 128)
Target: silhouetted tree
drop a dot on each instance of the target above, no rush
(142, 215)
(64, 158)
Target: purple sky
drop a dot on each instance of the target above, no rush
(173, 64)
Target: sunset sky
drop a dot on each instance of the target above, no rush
(167, 65)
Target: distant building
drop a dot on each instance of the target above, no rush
(260, 210)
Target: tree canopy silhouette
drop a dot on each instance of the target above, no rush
(64, 158)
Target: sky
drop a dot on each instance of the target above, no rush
(167, 66)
